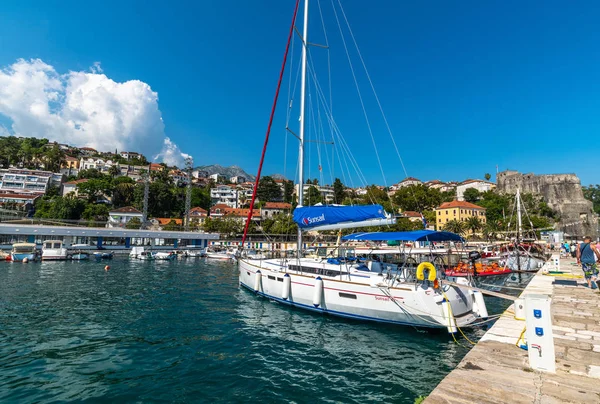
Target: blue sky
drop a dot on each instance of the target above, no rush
(465, 85)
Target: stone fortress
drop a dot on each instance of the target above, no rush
(562, 193)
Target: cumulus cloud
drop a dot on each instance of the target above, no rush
(84, 109)
(171, 154)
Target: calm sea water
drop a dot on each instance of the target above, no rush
(185, 332)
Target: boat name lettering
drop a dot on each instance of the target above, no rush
(311, 220)
(386, 299)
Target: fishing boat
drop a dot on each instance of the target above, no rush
(165, 256)
(358, 287)
(80, 255)
(198, 253)
(54, 250)
(23, 251)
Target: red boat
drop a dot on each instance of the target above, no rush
(463, 269)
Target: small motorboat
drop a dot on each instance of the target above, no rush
(54, 250)
(23, 251)
(80, 256)
(103, 255)
(195, 253)
(220, 254)
(165, 256)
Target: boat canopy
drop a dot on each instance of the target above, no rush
(417, 235)
(313, 217)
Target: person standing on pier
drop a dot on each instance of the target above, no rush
(587, 254)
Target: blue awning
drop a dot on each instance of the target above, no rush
(417, 235)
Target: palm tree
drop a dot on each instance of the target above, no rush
(487, 176)
(473, 223)
(455, 226)
(114, 170)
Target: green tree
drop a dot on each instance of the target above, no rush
(95, 188)
(283, 223)
(268, 190)
(417, 198)
(133, 223)
(339, 191)
(123, 193)
(592, 193)
(288, 191)
(456, 226)
(312, 196)
(114, 171)
(471, 195)
(89, 173)
(54, 159)
(201, 197)
(487, 176)
(95, 212)
(473, 224)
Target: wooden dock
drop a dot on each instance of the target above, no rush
(497, 371)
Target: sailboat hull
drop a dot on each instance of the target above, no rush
(358, 298)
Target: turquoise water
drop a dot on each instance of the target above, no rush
(185, 332)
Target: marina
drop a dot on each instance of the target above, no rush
(503, 367)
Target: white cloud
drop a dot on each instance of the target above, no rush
(84, 109)
(171, 154)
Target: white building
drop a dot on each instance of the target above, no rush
(480, 185)
(120, 217)
(224, 194)
(71, 187)
(199, 174)
(26, 181)
(326, 191)
(407, 182)
(238, 179)
(217, 177)
(271, 209)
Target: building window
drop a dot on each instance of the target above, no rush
(454, 212)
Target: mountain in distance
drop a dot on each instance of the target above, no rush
(231, 171)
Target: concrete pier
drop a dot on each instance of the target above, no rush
(497, 371)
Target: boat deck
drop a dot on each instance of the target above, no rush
(497, 371)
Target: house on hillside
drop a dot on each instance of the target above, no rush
(88, 151)
(224, 194)
(197, 216)
(480, 185)
(120, 217)
(271, 209)
(71, 187)
(457, 210)
(218, 210)
(217, 178)
(24, 181)
(241, 215)
(159, 223)
(238, 179)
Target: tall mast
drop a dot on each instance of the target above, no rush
(519, 227)
(302, 104)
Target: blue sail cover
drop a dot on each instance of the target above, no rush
(313, 216)
(417, 235)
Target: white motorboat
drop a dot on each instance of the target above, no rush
(344, 286)
(219, 254)
(195, 253)
(165, 256)
(23, 252)
(54, 250)
(80, 255)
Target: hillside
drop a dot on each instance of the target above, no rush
(228, 172)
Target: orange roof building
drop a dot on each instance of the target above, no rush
(457, 210)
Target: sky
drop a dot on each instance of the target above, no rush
(467, 87)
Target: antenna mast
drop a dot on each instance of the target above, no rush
(189, 165)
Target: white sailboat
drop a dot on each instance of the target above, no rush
(345, 287)
(522, 255)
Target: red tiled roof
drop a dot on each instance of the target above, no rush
(220, 206)
(69, 158)
(410, 179)
(459, 204)
(277, 205)
(19, 196)
(125, 209)
(241, 212)
(410, 213)
(198, 209)
(88, 148)
(166, 220)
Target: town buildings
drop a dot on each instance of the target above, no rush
(120, 217)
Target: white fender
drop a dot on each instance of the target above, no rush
(481, 307)
(257, 280)
(287, 284)
(318, 292)
(450, 320)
